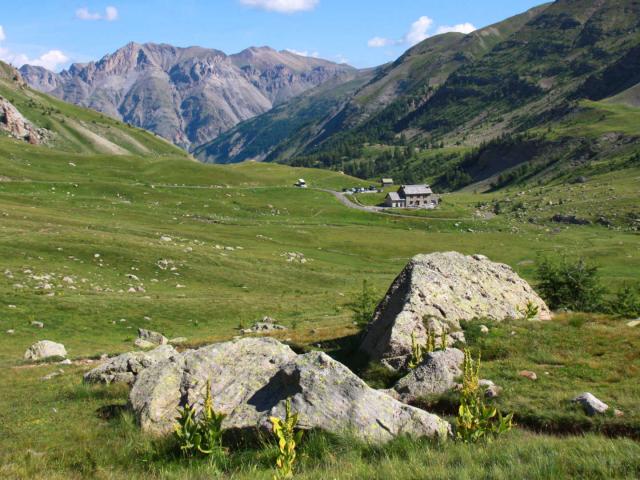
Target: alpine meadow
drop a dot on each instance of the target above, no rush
(271, 265)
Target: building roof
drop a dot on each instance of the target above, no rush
(394, 196)
(387, 180)
(416, 190)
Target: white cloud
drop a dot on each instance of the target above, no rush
(460, 28)
(303, 53)
(340, 58)
(419, 31)
(110, 14)
(282, 6)
(51, 60)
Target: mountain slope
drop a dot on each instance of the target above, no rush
(187, 95)
(30, 116)
(409, 80)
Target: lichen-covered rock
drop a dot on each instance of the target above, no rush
(12, 121)
(237, 371)
(437, 291)
(126, 367)
(436, 374)
(328, 396)
(45, 349)
(252, 377)
(146, 337)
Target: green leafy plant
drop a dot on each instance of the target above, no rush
(443, 339)
(288, 439)
(363, 305)
(200, 435)
(530, 311)
(476, 420)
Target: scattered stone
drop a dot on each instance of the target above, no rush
(528, 374)
(618, 413)
(125, 368)
(51, 375)
(37, 324)
(436, 291)
(252, 377)
(492, 391)
(166, 238)
(45, 349)
(591, 404)
(570, 219)
(154, 338)
(144, 344)
(11, 331)
(66, 361)
(267, 325)
(484, 329)
(633, 323)
(178, 341)
(435, 375)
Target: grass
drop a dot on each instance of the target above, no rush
(223, 233)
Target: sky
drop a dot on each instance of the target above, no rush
(363, 33)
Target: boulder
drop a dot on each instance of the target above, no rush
(436, 374)
(437, 291)
(251, 378)
(528, 374)
(151, 337)
(591, 404)
(236, 369)
(45, 349)
(328, 396)
(126, 367)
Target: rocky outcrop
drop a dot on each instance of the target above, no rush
(266, 325)
(45, 349)
(436, 292)
(12, 121)
(437, 374)
(251, 379)
(186, 95)
(126, 367)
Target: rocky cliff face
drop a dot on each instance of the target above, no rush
(187, 95)
(12, 122)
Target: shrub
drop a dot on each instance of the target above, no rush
(364, 305)
(288, 439)
(530, 311)
(200, 435)
(476, 420)
(626, 302)
(573, 285)
(416, 353)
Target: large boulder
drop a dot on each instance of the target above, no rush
(438, 373)
(45, 349)
(328, 396)
(251, 379)
(236, 370)
(436, 292)
(126, 367)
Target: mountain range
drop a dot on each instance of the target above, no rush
(187, 95)
(498, 105)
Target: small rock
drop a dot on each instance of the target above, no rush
(591, 404)
(492, 391)
(37, 324)
(178, 341)
(633, 323)
(528, 374)
(52, 375)
(45, 349)
(165, 238)
(484, 329)
(618, 413)
(66, 361)
(154, 338)
(11, 331)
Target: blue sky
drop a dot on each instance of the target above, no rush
(363, 33)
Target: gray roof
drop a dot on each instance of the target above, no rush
(394, 196)
(416, 190)
(387, 180)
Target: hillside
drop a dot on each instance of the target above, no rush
(186, 95)
(451, 109)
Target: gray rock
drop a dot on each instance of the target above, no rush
(492, 391)
(435, 375)
(45, 349)
(66, 361)
(178, 341)
(126, 367)
(52, 375)
(37, 324)
(441, 289)
(328, 396)
(252, 377)
(11, 331)
(236, 369)
(484, 329)
(154, 338)
(591, 404)
(264, 327)
(633, 323)
(144, 344)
